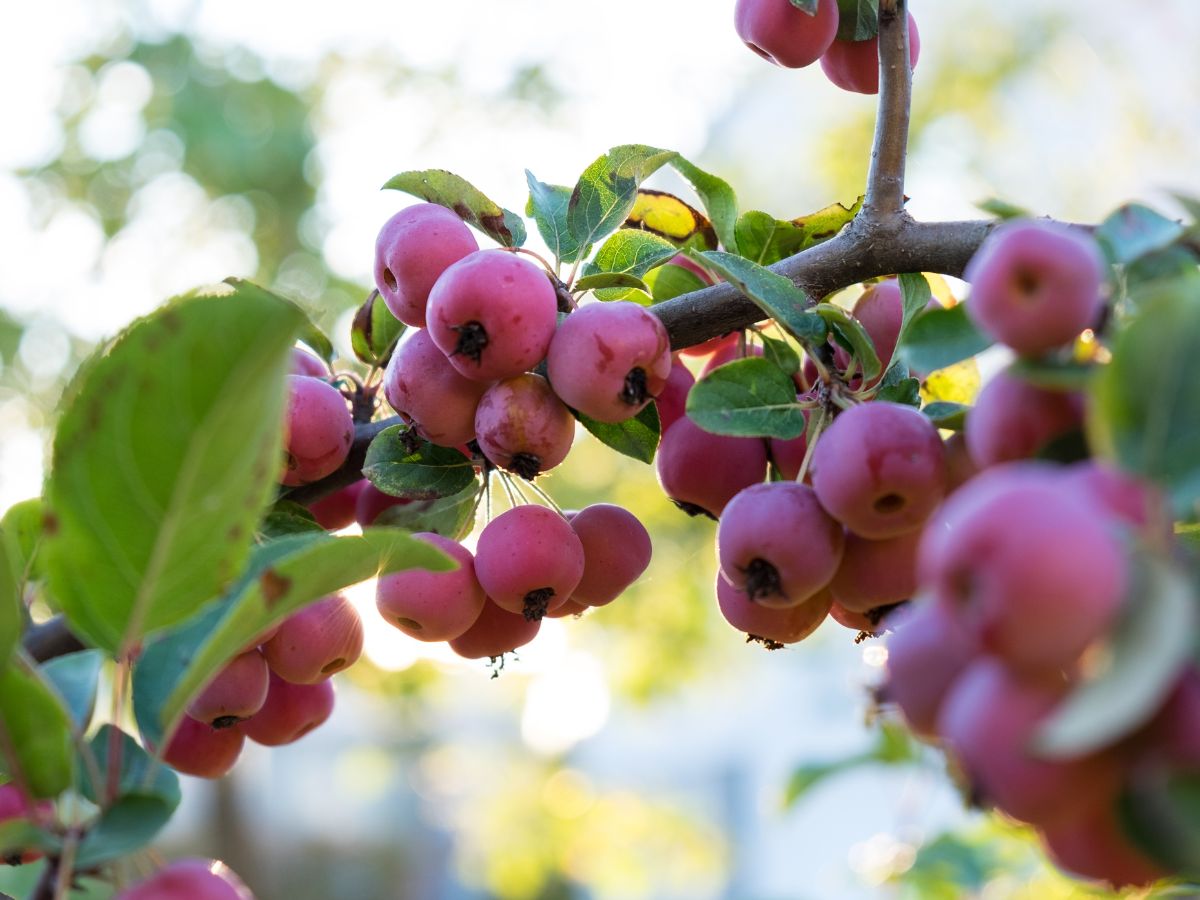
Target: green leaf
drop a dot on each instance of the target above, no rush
(76, 676)
(628, 252)
(314, 338)
(636, 438)
(718, 198)
(452, 517)
(782, 354)
(893, 746)
(164, 461)
(1002, 209)
(669, 281)
(11, 603)
(749, 397)
(1144, 402)
(374, 331)
(906, 391)
(915, 294)
(19, 835)
(853, 337)
(1053, 374)
(425, 473)
(766, 240)
(128, 825)
(806, 6)
(951, 416)
(36, 733)
(1133, 231)
(465, 200)
(1160, 810)
(284, 518)
(773, 294)
(940, 337)
(1163, 269)
(858, 20)
(285, 576)
(1151, 643)
(607, 189)
(548, 206)
(608, 280)
(23, 530)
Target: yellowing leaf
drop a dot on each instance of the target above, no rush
(958, 383)
(669, 217)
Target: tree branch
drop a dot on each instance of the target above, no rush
(885, 181)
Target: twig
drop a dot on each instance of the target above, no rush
(885, 182)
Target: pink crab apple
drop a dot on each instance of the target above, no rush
(788, 455)
(528, 560)
(196, 748)
(880, 311)
(414, 247)
(372, 504)
(730, 352)
(927, 651)
(1026, 565)
(305, 363)
(1035, 285)
(291, 711)
(493, 315)
(336, 511)
(237, 692)
(700, 472)
(880, 469)
(767, 624)
(989, 719)
(432, 606)
(616, 551)
(873, 574)
(317, 641)
(429, 393)
(522, 426)
(784, 35)
(190, 879)
(672, 400)
(608, 360)
(854, 65)
(777, 545)
(319, 430)
(1013, 419)
(495, 633)
(1092, 845)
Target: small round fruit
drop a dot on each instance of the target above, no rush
(522, 426)
(773, 626)
(876, 573)
(305, 363)
(880, 310)
(336, 511)
(201, 750)
(237, 692)
(1093, 845)
(730, 352)
(788, 455)
(372, 505)
(1035, 285)
(880, 469)
(528, 560)
(701, 472)
(432, 606)
(616, 551)
(495, 633)
(291, 711)
(927, 651)
(493, 314)
(1013, 419)
(776, 543)
(854, 65)
(190, 879)
(672, 399)
(414, 247)
(316, 642)
(429, 393)
(319, 430)
(608, 360)
(782, 34)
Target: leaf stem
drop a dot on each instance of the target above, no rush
(818, 427)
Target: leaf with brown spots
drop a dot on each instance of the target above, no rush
(467, 202)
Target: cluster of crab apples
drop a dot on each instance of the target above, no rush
(782, 33)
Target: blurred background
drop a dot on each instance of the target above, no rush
(643, 751)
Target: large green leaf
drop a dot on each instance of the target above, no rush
(858, 20)
(916, 294)
(1145, 401)
(467, 201)
(718, 198)
(750, 397)
(164, 461)
(374, 331)
(285, 575)
(76, 676)
(775, 295)
(23, 530)
(628, 252)
(11, 602)
(938, 338)
(853, 337)
(607, 189)
(424, 473)
(36, 748)
(636, 438)
(1134, 231)
(548, 207)
(452, 517)
(1147, 649)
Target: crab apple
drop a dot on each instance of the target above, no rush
(190, 879)
(337, 510)
(880, 311)
(730, 352)
(201, 750)
(989, 719)
(1132, 501)
(876, 573)
(771, 625)
(572, 607)
(1027, 566)
(493, 314)
(672, 399)
(528, 560)
(854, 621)
(880, 469)
(432, 606)
(960, 468)
(291, 711)
(700, 472)
(429, 393)
(305, 363)
(927, 651)
(616, 551)
(713, 345)
(854, 65)
(414, 247)
(16, 805)
(784, 35)
(1035, 285)
(317, 641)
(522, 426)
(776, 543)
(608, 360)
(495, 633)
(237, 692)
(1013, 419)
(1092, 845)
(319, 430)
(372, 505)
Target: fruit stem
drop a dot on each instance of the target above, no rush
(553, 270)
(817, 428)
(546, 498)
(885, 182)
